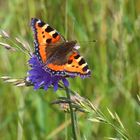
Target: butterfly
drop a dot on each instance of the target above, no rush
(58, 55)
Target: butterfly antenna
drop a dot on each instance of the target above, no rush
(89, 41)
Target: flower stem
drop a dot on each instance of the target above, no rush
(73, 121)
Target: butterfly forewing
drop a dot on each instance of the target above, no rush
(44, 35)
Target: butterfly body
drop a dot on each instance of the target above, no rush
(59, 56)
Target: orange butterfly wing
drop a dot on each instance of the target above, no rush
(76, 65)
(44, 35)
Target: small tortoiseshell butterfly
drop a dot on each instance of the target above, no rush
(58, 55)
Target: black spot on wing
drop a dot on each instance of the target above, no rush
(77, 56)
(41, 24)
(69, 61)
(49, 29)
(85, 68)
(55, 35)
(48, 40)
(81, 62)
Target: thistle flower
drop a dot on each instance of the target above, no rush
(42, 77)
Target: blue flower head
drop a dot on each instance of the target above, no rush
(41, 77)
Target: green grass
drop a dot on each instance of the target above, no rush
(114, 59)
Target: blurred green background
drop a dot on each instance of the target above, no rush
(114, 59)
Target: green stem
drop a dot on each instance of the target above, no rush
(73, 121)
(66, 129)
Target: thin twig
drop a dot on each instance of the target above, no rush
(73, 121)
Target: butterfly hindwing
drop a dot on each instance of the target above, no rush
(75, 65)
